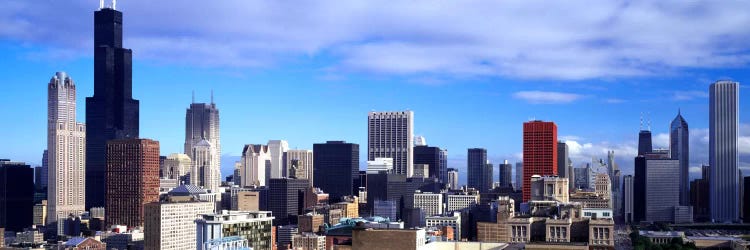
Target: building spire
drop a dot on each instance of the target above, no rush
(641, 126)
(101, 4)
(648, 117)
(193, 97)
(212, 96)
(114, 4)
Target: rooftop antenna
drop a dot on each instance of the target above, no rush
(212, 96)
(648, 115)
(193, 96)
(114, 4)
(641, 126)
(101, 4)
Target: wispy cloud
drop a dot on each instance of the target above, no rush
(611, 39)
(546, 97)
(689, 95)
(614, 100)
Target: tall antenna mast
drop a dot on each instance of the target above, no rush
(114, 4)
(648, 115)
(641, 127)
(212, 96)
(101, 4)
(193, 96)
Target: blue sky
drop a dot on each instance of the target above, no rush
(472, 73)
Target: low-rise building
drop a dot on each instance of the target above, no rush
(309, 241)
(451, 221)
(253, 226)
(388, 239)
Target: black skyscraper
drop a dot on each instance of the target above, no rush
(644, 142)
(639, 189)
(397, 188)
(431, 156)
(111, 113)
(477, 164)
(16, 195)
(286, 199)
(335, 166)
(562, 160)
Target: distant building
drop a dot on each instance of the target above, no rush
(549, 188)
(304, 158)
(562, 160)
(432, 156)
(255, 227)
(628, 198)
(286, 199)
(203, 144)
(16, 195)
(539, 152)
(430, 203)
(40, 213)
(476, 165)
(254, 165)
(699, 196)
(177, 167)
(679, 146)
(421, 171)
(132, 180)
(368, 238)
(453, 178)
(390, 135)
(310, 222)
(458, 201)
(121, 238)
(336, 166)
(80, 243)
(246, 201)
(519, 175)
(277, 149)
(723, 154)
(662, 189)
(453, 221)
(309, 241)
(506, 174)
(582, 178)
(386, 209)
(380, 165)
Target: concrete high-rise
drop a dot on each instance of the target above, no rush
(679, 147)
(722, 145)
(111, 113)
(336, 166)
(539, 152)
(304, 158)
(254, 165)
(662, 189)
(204, 172)
(453, 178)
(506, 174)
(132, 180)
(390, 135)
(628, 198)
(476, 163)
(202, 124)
(178, 167)
(277, 149)
(45, 168)
(66, 151)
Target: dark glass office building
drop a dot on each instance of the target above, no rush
(335, 166)
(506, 174)
(644, 142)
(16, 195)
(477, 164)
(562, 160)
(432, 157)
(397, 188)
(286, 198)
(111, 113)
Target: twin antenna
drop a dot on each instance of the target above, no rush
(212, 96)
(114, 4)
(648, 122)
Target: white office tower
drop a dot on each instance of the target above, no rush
(204, 172)
(430, 203)
(304, 157)
(66, 145)
(171, 225)
(202, 123)
(255, 161)
(724, 105)
(380, 165)
(390, 135)
(453, 178)
(420, 141)
(177, 167)
(276, 149)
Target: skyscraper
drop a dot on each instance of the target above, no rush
(506, 174)
(111, 113)
(277, 150)
(178, 167)
(476, 164)
(444, 165)
(723, 124)
(336, 166)
(202, 123)
(519, 176)
(132, 180)
(66, 159)
(679, 146)
(539, 152)
(16, 195)
(390, 135)
(453, 178)
(286, 199)
(562, 160)
(628, 198)
(662, 189)
(305, 160)
(254, 165)
(644, 142)
(45, 169)
(432, 156)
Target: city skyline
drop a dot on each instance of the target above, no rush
(314, 95)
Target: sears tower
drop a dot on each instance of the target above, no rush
(111, 113)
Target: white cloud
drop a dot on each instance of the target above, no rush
(522, 39)
(539, 97)
(614, 100)
(689, 95)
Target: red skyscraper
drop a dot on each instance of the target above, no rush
(539, 152)
(132, 180)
